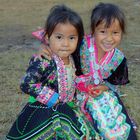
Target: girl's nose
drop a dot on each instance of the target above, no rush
(109, 37)
(66, 42)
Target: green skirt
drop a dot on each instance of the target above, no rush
(62, 122)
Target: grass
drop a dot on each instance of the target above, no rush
(20, 18)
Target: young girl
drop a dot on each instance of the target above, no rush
(104, 66)
(50, 84)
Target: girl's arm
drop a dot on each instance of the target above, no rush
(32, 82)
(120, 75)
(84, 57)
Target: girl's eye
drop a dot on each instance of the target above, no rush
(72, 38)
(116, 33)
(59, 37)
(102, 31)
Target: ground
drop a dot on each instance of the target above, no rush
(18, 18)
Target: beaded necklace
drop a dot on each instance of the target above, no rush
(95, 66)
(66, 92)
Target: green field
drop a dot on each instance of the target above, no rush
(18, 18)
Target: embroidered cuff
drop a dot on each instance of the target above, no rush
(111, 86)
(53, 100)
(48, 97)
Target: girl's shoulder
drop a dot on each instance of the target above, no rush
(86, 42)
(38, 58)
(118, 53)
(88, 37)
(40, 61)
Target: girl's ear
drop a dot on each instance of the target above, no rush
(92, 34)
(46, 39)
(46, 36)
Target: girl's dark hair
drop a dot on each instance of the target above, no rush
(63, 14)
(107, 12)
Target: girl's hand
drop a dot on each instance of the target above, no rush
(45, 52)
(95, 91)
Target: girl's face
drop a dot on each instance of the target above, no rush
(108, 38)
(63, 40)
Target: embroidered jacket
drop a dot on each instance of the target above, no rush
(105, 109)
(112, 68)
(41, 81)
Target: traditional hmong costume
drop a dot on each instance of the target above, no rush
(44, 118)
(107, 110)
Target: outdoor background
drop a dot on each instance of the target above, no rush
(18, 18)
